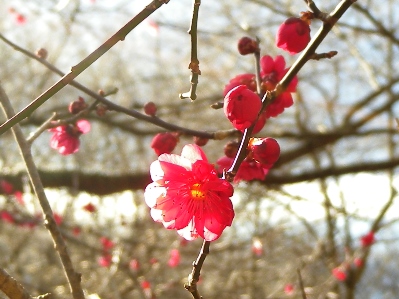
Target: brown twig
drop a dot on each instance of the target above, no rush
(218, 135)
(301, 286)
(81, 66)
(73, 277)
(11, 287)
(194, 64)
(194, 276)
(270, 96)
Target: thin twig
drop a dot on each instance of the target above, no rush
(194, 64)
(73, 277)
(81, 66)
(301, 286)
(194, 276)
(114, 107)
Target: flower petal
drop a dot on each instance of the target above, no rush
(83, 125)
(193, 152)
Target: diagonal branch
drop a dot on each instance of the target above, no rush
(73, 277)
(84, 64)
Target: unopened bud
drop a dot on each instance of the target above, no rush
(42, 53)
(150, 109)
(101, 109)
(76, 106)
(247, 45)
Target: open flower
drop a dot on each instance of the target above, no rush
(272, 71)
(65, 138)
(187, 195)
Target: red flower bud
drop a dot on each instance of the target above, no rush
(367, 239)
(164, 143)
(150, 109)
(247, 45)
(76, 106)
(200, 141)
(241, 106)
(264, 150)
(231, 149)
(293, 35)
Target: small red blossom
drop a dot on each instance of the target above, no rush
(289, 289)
(19, 198)
(145, 284)
(272, 71)
(367, 239)
(7, 217)
(249, 169)
(339, 273)
(150, 108)
(58, 218)
(6, 187)
(65, 138)
(106, 243)
(76, 231)
(247, 45)
(241, 107)
(293, 35)
(134, 265)
(91, 208)
(187, 195)
(105, 260)
(164, 143)
(153, 261)
(266, 151)
(174, 259)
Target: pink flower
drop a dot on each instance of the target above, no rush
(134, 265)
(339, 273)
(164, 143)
(106, 243)
(289, 289)
(293, 35)
(6, 187)
(249, 169)
(187, 195)
(266, 151)
(19, 197)
(174, 259)
(65, 138)
(58, 218)
(367, 239)
(241, 107)
(105, 260)
(7, 217)
(272, 71)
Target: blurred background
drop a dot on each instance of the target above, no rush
(336, 179)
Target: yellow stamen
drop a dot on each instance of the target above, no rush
(196, 191)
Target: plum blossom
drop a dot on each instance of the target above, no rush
(65, 138)
(272, 71)
(249, 169)
(293, 35)
(241, 107)
(187, 195)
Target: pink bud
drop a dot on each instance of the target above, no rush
(150, 108)
(77, 106)
(247, 45)
(293, 35)
(200, 141)
(134, 265)
(339, 274)
(164, 143)
(367, 239)
(264, 150)
(241, 107)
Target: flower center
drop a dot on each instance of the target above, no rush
(196, 191)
